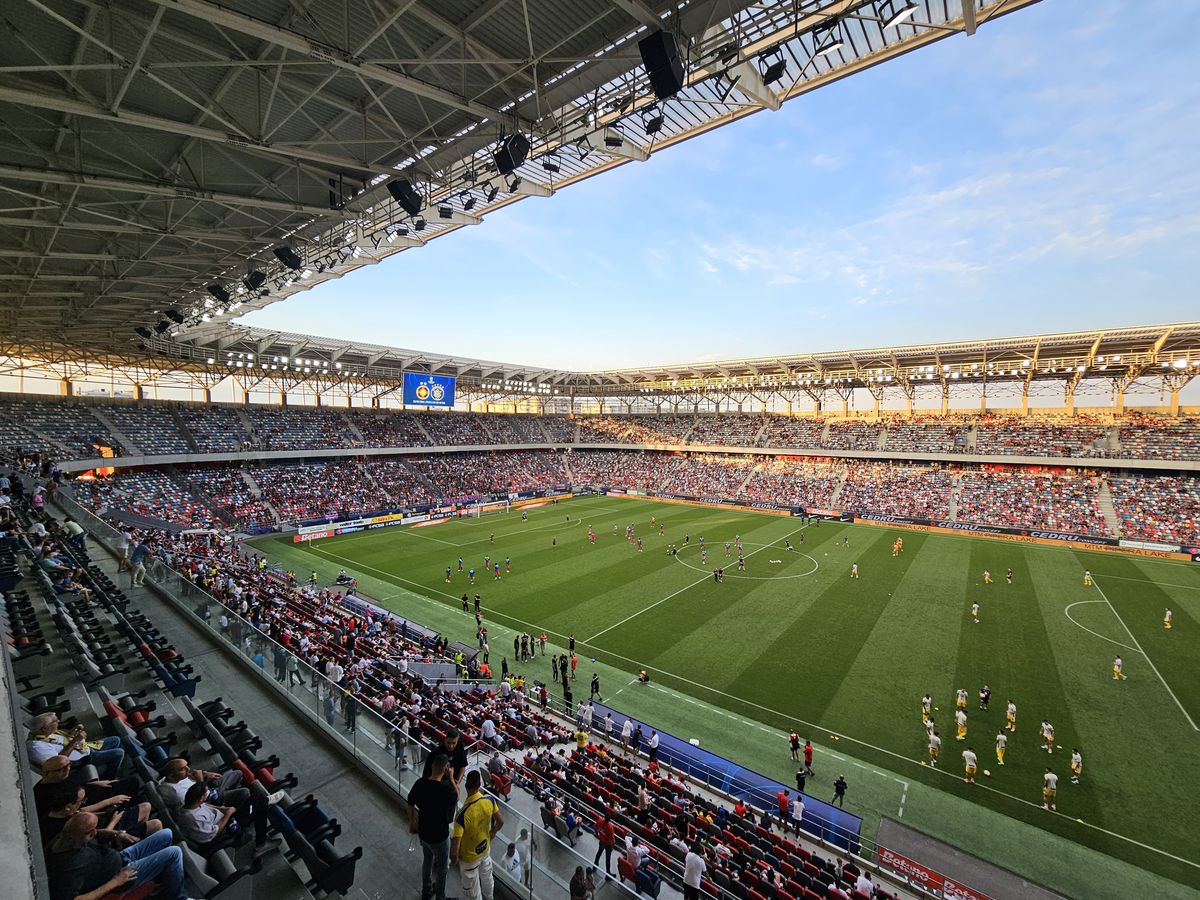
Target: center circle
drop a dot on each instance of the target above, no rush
(735, 574)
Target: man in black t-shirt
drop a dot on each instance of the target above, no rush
(453, 749)
(78, 864)
(431, 805)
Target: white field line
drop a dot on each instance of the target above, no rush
(707, 577)
(1067, 613)
(1138, 647)
(899, 756)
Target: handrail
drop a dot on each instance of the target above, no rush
(368, 745)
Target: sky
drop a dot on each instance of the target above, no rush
(1038, 176)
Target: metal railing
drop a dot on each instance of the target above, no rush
(370, 742)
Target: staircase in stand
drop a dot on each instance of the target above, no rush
(130, 448)
(688, 434)
(429, 437)
(370, 477)
(353, 429)
(1107, 509)
(837, 491)
(246, 424)
(757, 468)
(758, 436)
(258, 495)
(183, 429)
(955, 493)
(421, 477)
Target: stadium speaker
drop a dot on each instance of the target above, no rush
(254, 279)
(660, 56)
(288, 257)
(406, 195)
(175, 316)
(511, 153)
(219, 292)
(144, 331)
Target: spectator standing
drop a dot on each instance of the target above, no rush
(431, 805)
(474, 827)
(694, 868)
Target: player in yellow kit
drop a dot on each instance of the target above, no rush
(975, 612)
(1001, 744)
(1076, 766)
(1049, 790)
(960, 722)
(960, 698)
(1167, 617)
(926, 707)
(1118, 670)
(935, 747)
(1087, 578)
(1010, 717)
(969, 765)
(1047, 736)
(987, 577)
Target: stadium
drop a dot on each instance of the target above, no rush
(290, 615)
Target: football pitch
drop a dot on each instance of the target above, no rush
(795, 642)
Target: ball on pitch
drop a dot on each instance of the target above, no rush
(987, 772)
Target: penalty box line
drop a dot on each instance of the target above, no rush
(1138, 647)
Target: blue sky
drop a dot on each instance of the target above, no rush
(1039, 176)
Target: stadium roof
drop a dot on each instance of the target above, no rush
(1168, 353)
(150, 149)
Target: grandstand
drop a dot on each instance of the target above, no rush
(218, 547)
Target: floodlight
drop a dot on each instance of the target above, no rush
(827, 40)
(419, 224)
(254, 279)
(613, 139)
(492, 192)
(652, 119)
(162, 327)
(550, 164)
(175, 316)
(514, 184)
(891, 15)
(468, 200)
(219, 292)
(143, 331)
(772, 66)
(445, 212)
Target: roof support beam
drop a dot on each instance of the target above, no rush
(627, 150)
(968, 11)
(175, 192)
(231, 237)
(637, 9)
(63, 104)
(216, 15)
(749, 80)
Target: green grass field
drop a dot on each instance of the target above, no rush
(799, 644)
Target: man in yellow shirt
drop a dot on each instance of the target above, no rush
(474, 827)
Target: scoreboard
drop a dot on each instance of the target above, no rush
(428, 390)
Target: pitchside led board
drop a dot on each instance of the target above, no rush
(428, 390)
